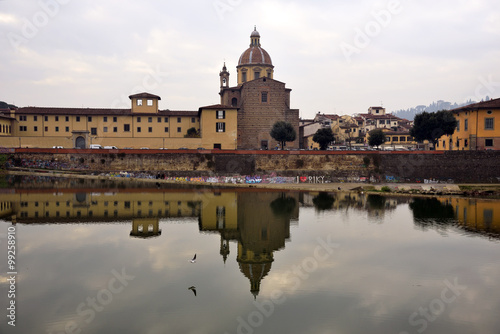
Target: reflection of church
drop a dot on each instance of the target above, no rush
(260, 223)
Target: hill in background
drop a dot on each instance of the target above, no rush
(410, 113)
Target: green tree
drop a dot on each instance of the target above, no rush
(192, 133)
(431, 126)
(323, 137)
(283, 132)
(376, 137)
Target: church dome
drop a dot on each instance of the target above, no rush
(255, 54)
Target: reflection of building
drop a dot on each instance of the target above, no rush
(477, 215)
(261, 226)
(258, 221)
(145, 227)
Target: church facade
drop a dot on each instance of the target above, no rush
(261, 100)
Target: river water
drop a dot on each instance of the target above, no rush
(119, 260)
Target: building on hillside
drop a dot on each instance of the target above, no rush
(478, 128)
(141, 126)
(261, 100)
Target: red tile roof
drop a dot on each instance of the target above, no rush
(99, 111)
(491, 104)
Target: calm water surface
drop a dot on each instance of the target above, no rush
(118, 261)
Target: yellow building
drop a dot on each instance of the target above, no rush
(478, 128)
(141, 126)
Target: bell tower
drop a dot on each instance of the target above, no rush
(224, 77)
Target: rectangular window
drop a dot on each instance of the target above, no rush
(179, 130)
(105, 129)
(166, 129)
(126, 127)
(46, 129)
(105, 118)
(159, 119)
(138, 129)
(138, 119)
(115, 129)
(139, 102)
(57, 129)
(221, 114)
(46, 118)
(466, 125)
(193, 120)
(35, 128)
(178, 119)
(220, 127)
(35, 118)
(115, 119)
(93, 131)
(166, 119)
(395, 139)
(402, 138)
(78, 118)
(150, 129)
(256, 75)
(66, 118)
(488, 142)
(458, 125)
(264, 97)
(466, 142)
(488, 123)
(57, 118)
(150, 103)
(244, 76)
(67, 129)
(89, 118)
(150, 119)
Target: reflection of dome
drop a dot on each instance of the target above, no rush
(255, 54)
(255, 272)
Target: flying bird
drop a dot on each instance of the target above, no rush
(193, 260)
(193, 288)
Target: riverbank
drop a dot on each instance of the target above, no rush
(430, 189)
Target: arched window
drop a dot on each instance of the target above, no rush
(234, 102)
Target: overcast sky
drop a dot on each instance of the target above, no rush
(337, 56)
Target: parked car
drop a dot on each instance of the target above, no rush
(57, 147)
(144, 148)
(183, 148)
(95, 146)
(110, 147)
